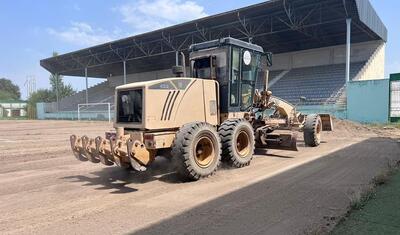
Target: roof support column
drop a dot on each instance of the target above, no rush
(124, 63)
(348, 49)
(57, 95)
(87, 85)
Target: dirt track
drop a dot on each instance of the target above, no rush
(43, 189)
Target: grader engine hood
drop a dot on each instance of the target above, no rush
(166, 103)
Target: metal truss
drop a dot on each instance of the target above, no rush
(263, 29)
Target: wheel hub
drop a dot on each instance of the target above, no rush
(243, 144)
(204, 152)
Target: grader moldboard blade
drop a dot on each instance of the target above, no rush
(282, 142)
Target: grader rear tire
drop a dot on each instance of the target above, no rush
(237, 138)
(196, 151)
(312, 130)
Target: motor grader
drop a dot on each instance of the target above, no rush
(215, 115)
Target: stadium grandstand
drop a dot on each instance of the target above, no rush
(318, 47)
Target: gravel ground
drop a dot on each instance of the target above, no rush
(45, 190)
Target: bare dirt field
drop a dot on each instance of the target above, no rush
(45, 190)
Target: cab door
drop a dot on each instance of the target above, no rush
(244, 68)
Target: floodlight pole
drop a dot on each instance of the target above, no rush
(87, 85)
(124, 62)
(348, 49)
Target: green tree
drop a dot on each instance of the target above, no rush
(41, 95)
(8, 90)
(57, 84)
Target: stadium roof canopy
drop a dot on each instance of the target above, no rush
(277, 25)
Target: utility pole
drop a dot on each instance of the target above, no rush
(30, 85)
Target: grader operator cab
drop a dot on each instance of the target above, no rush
(215, 115)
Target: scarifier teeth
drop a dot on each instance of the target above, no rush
(76, 146)
(104, 158)
(84, 150)
(93, 153)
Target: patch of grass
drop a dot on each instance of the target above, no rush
(385, 176)
(384, 126)
(360, 199)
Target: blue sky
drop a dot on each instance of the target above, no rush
(32, 30)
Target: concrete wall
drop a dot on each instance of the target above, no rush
(41, 114)
(375, 67)
(324, 56)
(368, 101)
(332, 109)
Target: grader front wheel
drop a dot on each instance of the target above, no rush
(312, 130)
(196, 150)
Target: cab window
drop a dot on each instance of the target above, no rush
(202, 68)
(235, 77)
(249, 74)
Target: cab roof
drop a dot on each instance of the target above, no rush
(228, 41)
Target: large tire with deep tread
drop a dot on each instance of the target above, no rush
(312, 130)
(237, 138)
(196, 151)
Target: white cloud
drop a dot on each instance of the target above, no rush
(83, 34)
(147, 15)
(141, 15)
(76, 7)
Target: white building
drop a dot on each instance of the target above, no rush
(13, 108)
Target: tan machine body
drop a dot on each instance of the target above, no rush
(193, 119)
(166, 108)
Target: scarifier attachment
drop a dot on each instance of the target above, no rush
(90, 148)
(119, 152)
(77, 148)
(104, 151)
(123, 151)
(135, 164)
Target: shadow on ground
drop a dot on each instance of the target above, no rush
(309, 198)
(162, 170)
(119, 179)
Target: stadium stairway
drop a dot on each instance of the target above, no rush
(100, 93)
